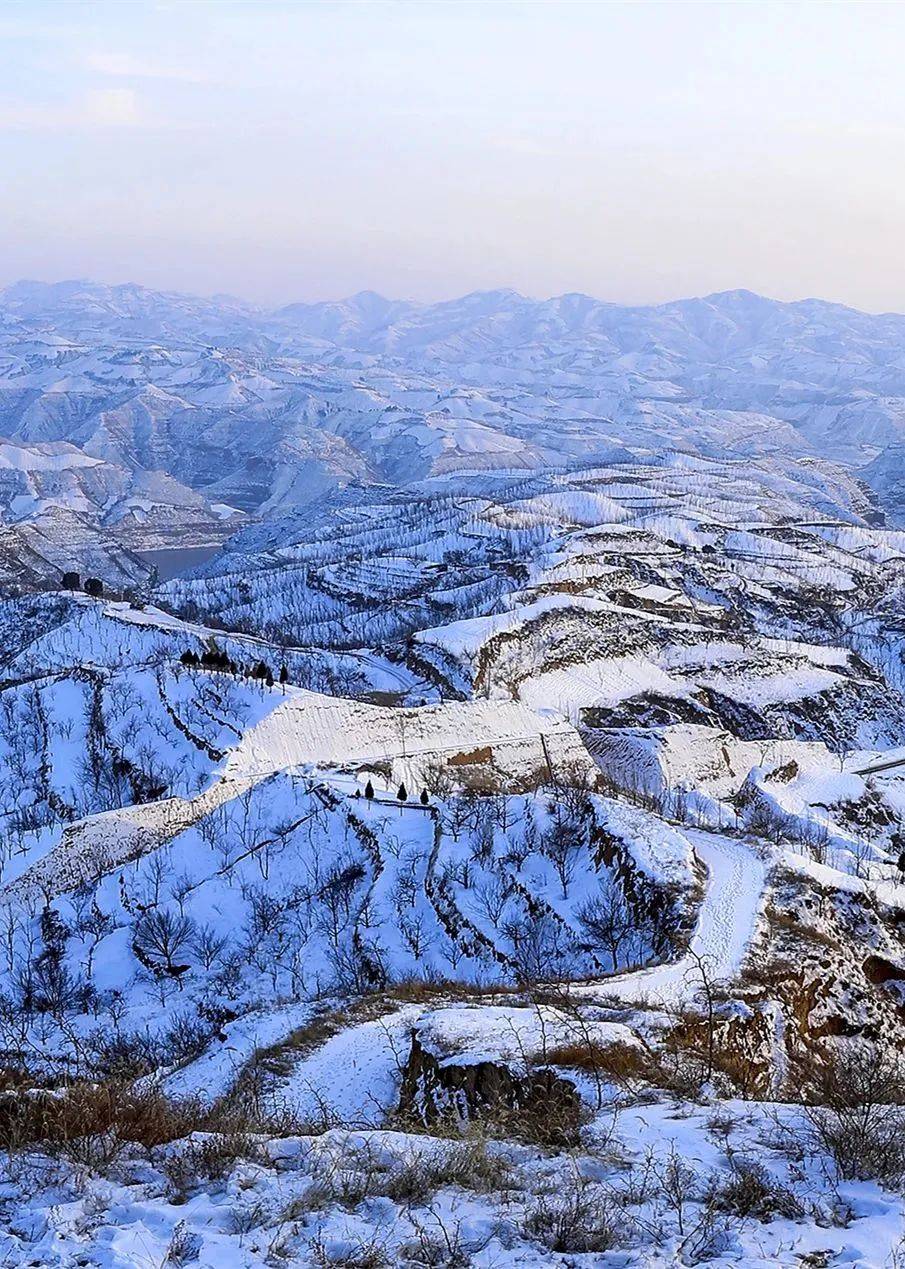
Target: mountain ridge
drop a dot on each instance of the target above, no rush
(370, 295)
(265, 410)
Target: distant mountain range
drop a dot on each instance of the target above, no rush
(207, 405)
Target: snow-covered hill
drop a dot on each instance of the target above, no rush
(494, 854)
(62, 509)
(266, 410)
(313, 927)
(584, 589)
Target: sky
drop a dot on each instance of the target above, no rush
(292, 151)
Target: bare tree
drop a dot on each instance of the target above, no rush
(562, 845)
(160, 937)
(610, 923)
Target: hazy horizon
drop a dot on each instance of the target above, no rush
(7, 283)
(638, 153)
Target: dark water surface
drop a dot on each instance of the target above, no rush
(172, 561)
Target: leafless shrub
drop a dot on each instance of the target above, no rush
(441, 1244)
(750, 1191)
(438, 779)
(204, 1158)
(855, 1110)
(184, 1246)
(125, 1055)
(352, 1253)
(679, 1186)
(702, 1224)
(348, 1171)
(91, 1123)
(617, 1063)
(469, 1165)
(579, 1217)
(244, 1219)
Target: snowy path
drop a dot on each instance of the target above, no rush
(890, 764)
(215, 1072)
(353, 1078)
(726, 922)
(99, 843)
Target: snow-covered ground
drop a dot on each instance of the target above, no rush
(277, 1207)
(490, 864)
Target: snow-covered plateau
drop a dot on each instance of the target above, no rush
(494, 853)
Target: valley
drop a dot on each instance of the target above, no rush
(170, 562)
(467, 827)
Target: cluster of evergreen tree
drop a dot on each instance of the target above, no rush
(214, 658)
(210, 659)
(401, 794)
(93, 585)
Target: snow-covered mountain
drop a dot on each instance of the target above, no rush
(62, 509)
(264, 410)
(493, 855)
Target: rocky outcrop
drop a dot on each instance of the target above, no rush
(537, 1101)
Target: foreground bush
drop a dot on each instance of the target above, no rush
(91, 1123)
(856, 1112)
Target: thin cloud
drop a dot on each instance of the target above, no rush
(119, 65)
(99, 108)
(112, 107)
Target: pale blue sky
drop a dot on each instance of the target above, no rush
(287, 151)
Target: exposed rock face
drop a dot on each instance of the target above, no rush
(832, 962)
(666, 912)
(435, 1089)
